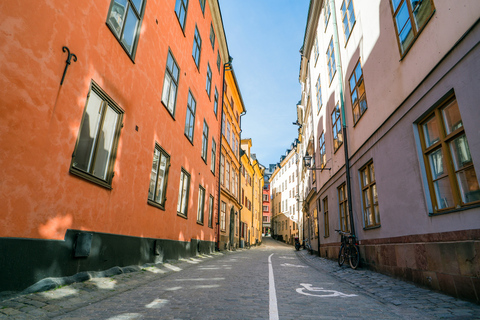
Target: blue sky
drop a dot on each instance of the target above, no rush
(264, 38)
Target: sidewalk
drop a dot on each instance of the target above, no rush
(397, 293)
(59, 301)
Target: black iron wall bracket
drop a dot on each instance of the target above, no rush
(70, 55)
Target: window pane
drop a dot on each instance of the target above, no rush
(180, 188)
(395, 4)
(468, 183)
(404, 27)
(352, 83)
(166, 88)
(460, 152)
(451, 117)
(358, 71)
(422, 10)
(172, 98)
(130, 29)
(88, 133)
(351, 13)
(372, 173)
(365, 180)
(366, 198)
(443, 193)
(153, 176)
(430, 131)
(117, 15)
(161, 178)
(137, 4)
(437, 164)
(105, 144)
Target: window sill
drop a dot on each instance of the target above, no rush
(372, 228)
(464, 208)
(200, 223)
(181, 215)
(156, 205)
(90, 178)
(191, 141)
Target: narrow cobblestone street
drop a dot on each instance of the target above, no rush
(237, 285)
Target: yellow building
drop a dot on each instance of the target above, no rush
(229, 206)
(251, 197)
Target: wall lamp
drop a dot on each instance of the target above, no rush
(297, 123)
(307, 162)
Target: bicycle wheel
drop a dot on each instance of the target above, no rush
(341, 255)
(354, 257)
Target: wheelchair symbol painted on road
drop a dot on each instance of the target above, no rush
(320, 292)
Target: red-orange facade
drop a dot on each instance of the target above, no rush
(110, 151)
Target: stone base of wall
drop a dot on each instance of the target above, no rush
(451, 266)
(27, 261)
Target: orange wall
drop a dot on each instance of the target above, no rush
(39, 119)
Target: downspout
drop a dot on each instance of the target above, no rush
(253, 194)
(240, 223)
(225, 65)
(342, 109)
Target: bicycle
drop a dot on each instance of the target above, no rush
(348, 250)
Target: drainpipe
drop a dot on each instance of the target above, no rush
(342, 109)
(226, 66)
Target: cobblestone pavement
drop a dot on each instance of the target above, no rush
(236, 285)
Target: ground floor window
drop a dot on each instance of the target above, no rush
(450, 172)
(371, 214)
(223, 212)
(158, 177)
(343, 209)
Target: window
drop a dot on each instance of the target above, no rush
(451, 176)
(227, 175)
(315, 223)
(181, 12)
(223, 212)
(406, 11)
(319, 94)
(315, 50)
(223, 121)
(371, 215)
(348, 18)
(215, 102)
(332, 68)
(183, 192)
(321, 146)
(210, 211)
(205, 141)
(337, 128)
(190, 118)
(343, 209)
(125, 19)
(209, 80)
(201, 204)
(197, 47)
(214, 155)
(202, 6)
(158, 178)
(222, 168)
(212, 36)
(326, 225)
(170, 84)
(327, 13)
(357, 93)
(228, 132)
(219, 61)
(96, 147)
(265, 197)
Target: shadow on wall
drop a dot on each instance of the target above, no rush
(27, 261)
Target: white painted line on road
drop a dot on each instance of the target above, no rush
(273, 308)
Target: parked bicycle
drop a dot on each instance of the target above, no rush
(349, 250)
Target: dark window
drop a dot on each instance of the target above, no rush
(348, 18)
(357, 93)
(96, 147)
(158, 178)
(125, 19)
(202, 6)
(343, 209)
(197, 47)
(451, 175)
(201, 204)
(205, 141)
(332, 68)
(209, 80)
(183, 192)
(406, 11)
(210, 211)
(215, 102)
(181, 11)
(212, 36)
(219, 61)
(337, 128)
(170, 84)
(214, 156)
(190, 118)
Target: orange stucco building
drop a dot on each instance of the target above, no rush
(117, 165)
